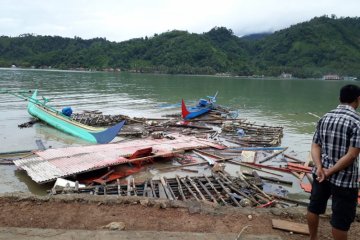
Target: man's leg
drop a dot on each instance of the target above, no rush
(313, 223)
(339, 234)
(320, 194)
(344, 202)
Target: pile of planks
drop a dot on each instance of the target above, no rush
(97, 119)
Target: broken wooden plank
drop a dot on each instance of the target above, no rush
(273, 155)
(210, 161)
(307, 163)
(257, 179)
(293, 158)
(290, 226)
(252, 166)
(162, 193)
(153, 188)
(166, 188)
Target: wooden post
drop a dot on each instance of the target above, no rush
(128, 190)
(145, 189)
(153, 188)
(133, 186)
(118, 187)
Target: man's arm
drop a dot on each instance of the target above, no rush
(344, 161)
(316, 157)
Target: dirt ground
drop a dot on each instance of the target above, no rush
(141, 214)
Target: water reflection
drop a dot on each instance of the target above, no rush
(33, 187)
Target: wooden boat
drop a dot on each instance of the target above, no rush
(203, 106)
(57, 119)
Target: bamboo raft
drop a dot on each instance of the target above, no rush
(219, 188)
(96, 118)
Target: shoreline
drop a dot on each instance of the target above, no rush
(141, 215)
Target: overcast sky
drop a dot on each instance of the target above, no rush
(119, 20)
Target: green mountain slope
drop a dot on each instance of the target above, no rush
(310, 49)
(322, 45)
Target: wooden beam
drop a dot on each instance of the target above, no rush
(290, 226)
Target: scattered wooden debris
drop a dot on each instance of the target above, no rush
(28, 124)
(230, 129)
(290, 226)
(219, 188)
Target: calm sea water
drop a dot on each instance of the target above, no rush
(291, 104)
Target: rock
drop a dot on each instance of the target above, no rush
(245, 202)
(218, 167)
(144, 202)
(277, 211)
(163, 205)
(115, 226)
(194, 209)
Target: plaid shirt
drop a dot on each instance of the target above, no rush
(335, 133)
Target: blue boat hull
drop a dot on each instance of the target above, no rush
(193, 112)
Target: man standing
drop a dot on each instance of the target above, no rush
(335, 150)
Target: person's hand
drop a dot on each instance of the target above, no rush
(321, 174)
(327, 172)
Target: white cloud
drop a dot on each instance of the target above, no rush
(119, 20)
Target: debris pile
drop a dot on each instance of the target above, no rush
(219, 188)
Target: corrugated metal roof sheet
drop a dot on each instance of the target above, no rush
(62, 162)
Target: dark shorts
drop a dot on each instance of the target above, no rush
(344, 202)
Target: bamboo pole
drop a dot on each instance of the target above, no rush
(180, 188)
(254, 167)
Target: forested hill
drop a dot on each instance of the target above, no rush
(320, 46)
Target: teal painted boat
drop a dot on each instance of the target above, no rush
(57, 119)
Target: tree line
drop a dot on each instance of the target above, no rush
(320, 46)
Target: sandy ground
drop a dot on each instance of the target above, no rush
(73, 212)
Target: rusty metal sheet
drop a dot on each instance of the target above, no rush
(62, 162)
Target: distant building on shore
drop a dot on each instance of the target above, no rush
(350, 78)
(286, 75)
(332, 77)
